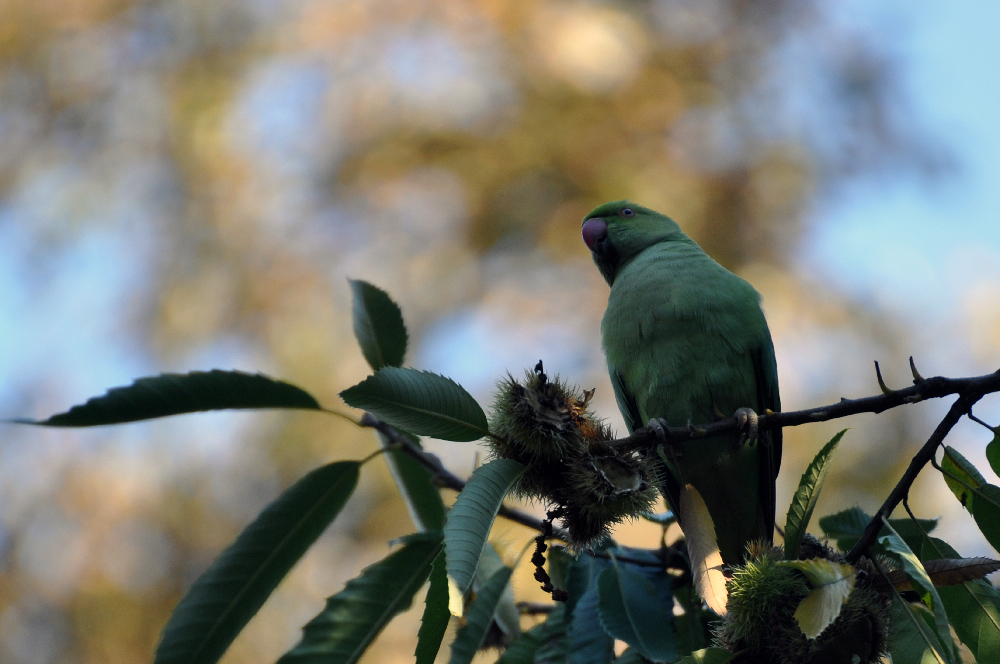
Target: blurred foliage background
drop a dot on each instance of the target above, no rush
(187, 184)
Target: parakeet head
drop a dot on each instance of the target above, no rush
(617, 231)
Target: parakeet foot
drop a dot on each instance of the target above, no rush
(659, 427)
(747, 419)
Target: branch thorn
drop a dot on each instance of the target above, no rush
(881, 383)
(917, 378)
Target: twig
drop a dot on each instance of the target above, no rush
(535, 608)
(927, 388)
(445, 478)
(926, 453)
(659, 564)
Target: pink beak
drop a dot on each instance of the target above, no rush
(594, 230)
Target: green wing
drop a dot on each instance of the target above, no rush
(769, 446)
(626, 401)
(629, 408)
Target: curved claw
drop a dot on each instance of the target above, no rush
(659, 427)
(747, 420)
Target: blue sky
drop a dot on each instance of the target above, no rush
(929, 252)
(905, 238)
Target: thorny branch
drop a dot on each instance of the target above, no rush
(970, 391)
(923, 389)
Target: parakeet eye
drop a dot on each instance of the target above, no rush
(628, 212)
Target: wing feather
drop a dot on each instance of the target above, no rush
(769, 446)
(626, 402)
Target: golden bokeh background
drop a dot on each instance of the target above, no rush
(188, 184)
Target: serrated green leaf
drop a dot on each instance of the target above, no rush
(981, 499)
(421, 402)
(832, 584)
(352, 618)
(974, 610)
(973, 607)
(912, 531)
(378, 326)
(960, 475)
(932, 548)
(436, 617)
(986, 512)
(471, 517)
(649, 564)
(560, 562)
(415, 484)
(912, 639)
(540, 643)
(846, 527)
(709, 656)
(993, 451)
(522, 650)
(478, 617)
(554, 648)
(507, 616)
(588, 642)
(694, 626)
(631, 611)
(235, 586)
(925, 588)
(175, 394)
(582, 576)
(847, 523)
(805, 498)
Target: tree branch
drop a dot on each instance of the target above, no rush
(445, 478)
(535, 608)
(961, 407)
(923, 389)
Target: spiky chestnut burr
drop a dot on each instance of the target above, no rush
(548, 426)
(603, 490)
(763, 597)
(540, 423)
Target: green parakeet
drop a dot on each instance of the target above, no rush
(686, 342)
